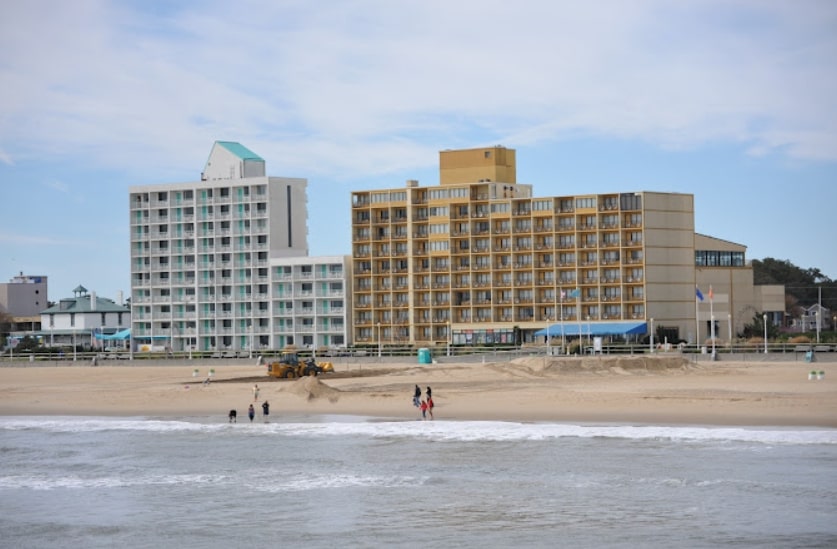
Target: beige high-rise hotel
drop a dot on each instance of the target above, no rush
(480, 259)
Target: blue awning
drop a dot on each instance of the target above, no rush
(120, 335)
(594, 328)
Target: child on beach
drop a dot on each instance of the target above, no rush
(423, 409)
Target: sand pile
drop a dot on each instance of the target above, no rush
(311, 388)
(623, 365)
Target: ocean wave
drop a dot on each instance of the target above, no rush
(439, 431)
(79, 482)
(314, 481)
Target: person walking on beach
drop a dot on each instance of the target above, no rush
(430, 407)
(255, 392)
(423, 410)
(251, 412)
(417, 396)
(428, 391)
(265, 410)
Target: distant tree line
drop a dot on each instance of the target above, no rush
(803, 287)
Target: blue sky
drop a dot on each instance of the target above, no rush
(732, 101)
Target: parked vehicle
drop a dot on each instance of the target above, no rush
(289, 366)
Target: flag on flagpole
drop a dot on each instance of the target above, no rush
(563, 295)
(711, 293)
(575, 293)
(698, 295)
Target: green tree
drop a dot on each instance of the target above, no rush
(756, 328)
(27, 343)
(802, 286)
(6, 322)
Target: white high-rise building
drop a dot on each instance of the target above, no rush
(202, 254)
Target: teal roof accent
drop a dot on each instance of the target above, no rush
(240, 150)
(82, 305)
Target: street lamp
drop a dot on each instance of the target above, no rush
(729, 327)
(712, 322)
(817, 320)
(449, 335)
(764, 317)
(252, 326)
(589, 330)
(131, 331)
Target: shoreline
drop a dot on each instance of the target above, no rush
(614, 391)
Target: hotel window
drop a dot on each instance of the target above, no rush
(581, 203)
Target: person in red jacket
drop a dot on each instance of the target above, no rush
(423, 409)
(430, 407)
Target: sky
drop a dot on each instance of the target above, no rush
(732, 101)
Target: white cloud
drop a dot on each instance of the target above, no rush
(370, 86)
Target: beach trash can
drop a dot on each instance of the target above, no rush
(424, 356)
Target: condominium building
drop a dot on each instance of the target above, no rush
(22, 299)
(479, 259)
(311, 302)
(204, 254)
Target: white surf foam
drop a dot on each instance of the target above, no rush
(79, 482)
(459, 431)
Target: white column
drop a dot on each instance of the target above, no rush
(764, 318)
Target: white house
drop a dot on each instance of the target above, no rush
(79, 319)
(813, 317)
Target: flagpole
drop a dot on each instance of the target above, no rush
(578, 316)
(563, 339)
(697, 323)
(712, 319)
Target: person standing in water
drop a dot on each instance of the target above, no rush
(251, 412)
(265, 410)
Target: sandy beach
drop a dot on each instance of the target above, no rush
(642, 390)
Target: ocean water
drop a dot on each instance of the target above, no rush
(362, 482)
